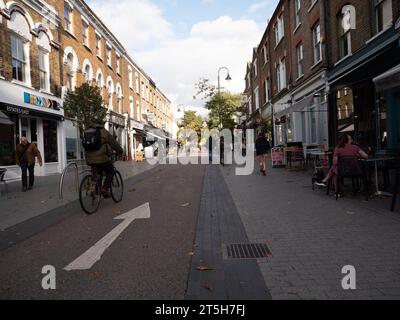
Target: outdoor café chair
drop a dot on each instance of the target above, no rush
(349, 167)
(395, 190)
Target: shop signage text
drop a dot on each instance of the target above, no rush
(40, 101)
(17, 110)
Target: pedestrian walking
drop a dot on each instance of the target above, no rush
(262, 149)
(26, 154)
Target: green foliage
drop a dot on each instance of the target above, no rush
(223, 106)
(193, 121)
(85, 105)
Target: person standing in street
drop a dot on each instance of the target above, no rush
(26, 155)
(262, 148)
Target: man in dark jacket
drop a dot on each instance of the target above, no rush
(101, 158)
(26, 154)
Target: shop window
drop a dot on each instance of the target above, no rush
(50, 141)
(71, 136)
(8, 141)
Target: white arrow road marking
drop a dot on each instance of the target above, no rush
(90, 257)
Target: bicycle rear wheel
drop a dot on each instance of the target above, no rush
(89, 195)
(117, 187)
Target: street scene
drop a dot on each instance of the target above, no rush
(200, 151)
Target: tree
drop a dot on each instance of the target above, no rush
(191, 120)
(85, 105)
(223, 106)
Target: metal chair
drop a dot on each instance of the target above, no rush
(296, 154)
(349, 167)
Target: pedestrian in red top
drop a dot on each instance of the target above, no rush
(345, 148)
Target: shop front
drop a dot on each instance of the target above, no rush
(37, 116)
(137, 138)
(118, 129)
(363, 100)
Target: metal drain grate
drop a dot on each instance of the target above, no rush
(248, 251)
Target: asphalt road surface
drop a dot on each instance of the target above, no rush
(149, 260)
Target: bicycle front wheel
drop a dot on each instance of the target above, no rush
(89, 195)
(117, 187)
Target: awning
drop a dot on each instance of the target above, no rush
(4, 119)
(297, 106)
(388, 80)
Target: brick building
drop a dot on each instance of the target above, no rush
(48, 48)
(364, 80)
(314, 74)
(30, 83)
(291, 65)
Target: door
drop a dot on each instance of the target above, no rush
(29, 129)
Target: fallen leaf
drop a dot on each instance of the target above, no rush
(206, 286)
(132, 190)
(203, 268)
(191, 254)
(185, 205)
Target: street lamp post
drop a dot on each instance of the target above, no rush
(228, 78)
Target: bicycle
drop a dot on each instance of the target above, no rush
(90, 194)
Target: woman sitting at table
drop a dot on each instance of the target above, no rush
(345, 148)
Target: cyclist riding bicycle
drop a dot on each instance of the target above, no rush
(99, 145)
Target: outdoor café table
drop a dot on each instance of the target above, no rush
(375, 160)
(319, 153)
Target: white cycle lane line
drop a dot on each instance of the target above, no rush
(87, 260)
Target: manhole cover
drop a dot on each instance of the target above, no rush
(247, 251)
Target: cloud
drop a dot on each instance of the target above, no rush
(136, 23)
(177, 63)
(260, 5)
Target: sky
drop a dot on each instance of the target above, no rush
(178, 42)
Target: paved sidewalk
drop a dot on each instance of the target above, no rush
(17, 206)
(218, 225)
(312, 237)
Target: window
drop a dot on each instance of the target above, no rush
(70, 72)
(108, 56)
(43, 73)
(118, 64)
(279, 29)
(130, 75)
(50, 141)
(345, 38)
(18, 58)
(255, 68)
(98, 45)
(99, 80)
(257, 98)
(297, 8)
(265, 54)
(86, 73)
(143, 91)
(300, 58)
(281, 75)
(68, 17)
(266, 91)
(316, 32)
(85, 33)
(384, 14)
(131, 107)
(138, 113)
(71, 137)
(137, 83)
